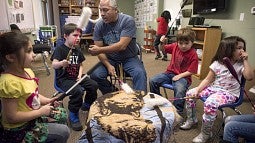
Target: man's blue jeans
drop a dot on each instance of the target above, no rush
(180, 87)
(132, 66)
(240, 126)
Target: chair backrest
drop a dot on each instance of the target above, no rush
(60, 42)
(240, 99)
(55, 83)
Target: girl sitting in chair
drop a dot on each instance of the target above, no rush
(22, 105)
(219, 86)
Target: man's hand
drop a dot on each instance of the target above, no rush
(111, 70)
(94, 50)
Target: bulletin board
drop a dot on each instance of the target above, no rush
(144, 11)
(19, 12)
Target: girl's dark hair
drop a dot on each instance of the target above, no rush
(166, 15)
(11, 43)
(227, 47)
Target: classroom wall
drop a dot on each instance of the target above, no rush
(32, 15)
(126, 6)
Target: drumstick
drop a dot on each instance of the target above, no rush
(70, 50)
(181, 98)
(69, 54)
(63, 95)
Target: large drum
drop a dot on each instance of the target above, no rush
(130, 118)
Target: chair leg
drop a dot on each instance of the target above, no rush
(45, 63)
(237, 111)
(165, 92)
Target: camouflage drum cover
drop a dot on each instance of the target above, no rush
(129, 118)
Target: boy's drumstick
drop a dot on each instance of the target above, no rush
(63, 95)
(69, 54)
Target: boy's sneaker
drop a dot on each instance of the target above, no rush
(85, 107)
(74, 121)
(157, 57)
(188, 125)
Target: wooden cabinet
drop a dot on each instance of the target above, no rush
(74, 7)
(70, 10)
(149, 40)
(206, 44)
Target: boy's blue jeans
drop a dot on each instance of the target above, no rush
(132, 66)
(180, 87)
(240, 126)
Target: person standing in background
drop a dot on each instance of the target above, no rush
(163, 21)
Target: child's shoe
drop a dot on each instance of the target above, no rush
(158, 57)
(164, 58)
(85, 107)
(188, 125)
(74, 121)
(202, 138)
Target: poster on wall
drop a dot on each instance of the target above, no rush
(144, 11)
(19, 12)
